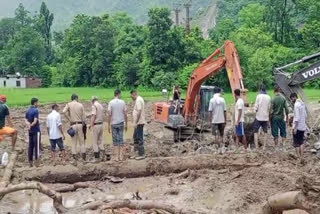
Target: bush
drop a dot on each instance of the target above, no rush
(162, 80)
(185, 74)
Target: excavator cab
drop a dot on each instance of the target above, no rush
(206, 93)
(166, 113)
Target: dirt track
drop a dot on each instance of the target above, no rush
(222, 190)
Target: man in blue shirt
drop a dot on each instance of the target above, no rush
(32, 122)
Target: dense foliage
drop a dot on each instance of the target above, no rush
(66, 10)
(113, 51)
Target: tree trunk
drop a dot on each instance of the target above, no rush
(74, 187)
(101, 205)
(8, 171)
(56, 197)
(133, 168)
(145, 205)
(276, 204)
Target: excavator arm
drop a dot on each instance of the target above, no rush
(208, 68)
(291, 83)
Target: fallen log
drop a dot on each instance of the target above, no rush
(74, 187)
(56, 197)
(96, 205)
(133, 168)
(306, 198)
(278, 203)
(8, 171)
(145, 205)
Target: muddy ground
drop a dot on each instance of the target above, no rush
(223, 191)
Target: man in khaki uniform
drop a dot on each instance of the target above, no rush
(138, 122)
(74, 112)
(97, 119)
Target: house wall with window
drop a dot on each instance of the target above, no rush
(19, 82)
(12, 82)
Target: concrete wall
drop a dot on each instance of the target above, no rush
(12, 82)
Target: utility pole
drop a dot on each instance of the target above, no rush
(188, 19)
(177, 10)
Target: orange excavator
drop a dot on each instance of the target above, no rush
(195, 116)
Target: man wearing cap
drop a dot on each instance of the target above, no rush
(117, 112)
(97, 119)
(6, 130)
(74, 112)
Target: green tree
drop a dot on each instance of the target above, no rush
(7, 31)
(185, 74)
(222, 31)
(89, 42)
(311, 34)
(22, 16)
(279, 14)
(128, 68)
(43, 25)
(26, 52)
(252, 15)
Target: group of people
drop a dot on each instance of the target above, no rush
(269, 113)
(74, 112)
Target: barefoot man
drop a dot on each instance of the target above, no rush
(299, 124)
(55, 132)
(5, 115)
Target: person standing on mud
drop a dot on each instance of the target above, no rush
(279, 107)
(299, 124)
(177, 98)
(239, 119)
(218, 115)
(33, 125)
(55, 132)
(74, 112)
(97, 119)
(5, 115)
(262, 107)
(138, 122)
(117, 121)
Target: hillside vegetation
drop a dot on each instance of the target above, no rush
(112, 50)
(66, 10)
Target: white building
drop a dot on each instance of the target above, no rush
(14, 81)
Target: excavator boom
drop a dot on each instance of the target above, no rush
(210, 67)
(291, 83)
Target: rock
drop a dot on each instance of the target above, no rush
(317, 145)
(158, 135)
(313, 151)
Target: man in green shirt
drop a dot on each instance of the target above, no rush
(4, 114)
(279, 108)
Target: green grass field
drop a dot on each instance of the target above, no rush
(22, 97)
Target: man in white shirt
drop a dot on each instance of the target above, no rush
(239, 119)
(55, 132)
(117, 112)
(299, 124)
(262, 107)
(218, 114)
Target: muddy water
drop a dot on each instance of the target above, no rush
(107, 138)
(32, 202)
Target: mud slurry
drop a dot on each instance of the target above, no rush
(225, 191)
